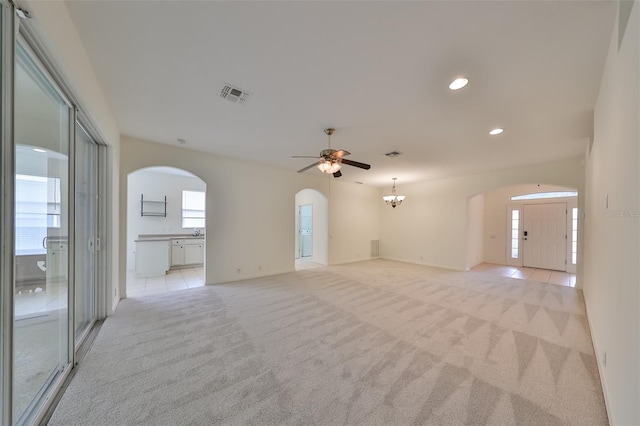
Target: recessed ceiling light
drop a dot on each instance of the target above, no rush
(496, 131)
(38, 150)
(458, 83)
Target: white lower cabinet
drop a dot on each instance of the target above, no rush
(187, 252)
(152, 259)
(177, 254)
(194, 253)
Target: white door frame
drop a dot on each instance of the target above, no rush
(518, 262)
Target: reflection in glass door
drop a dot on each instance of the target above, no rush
(86, 229)
(41, 319)
(306, 230)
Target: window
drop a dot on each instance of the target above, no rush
(515, 232)
(574, 235)
(193, 209)
(543, 195)
(37, 209)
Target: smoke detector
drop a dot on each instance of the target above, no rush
(393, 154)
(234, 94)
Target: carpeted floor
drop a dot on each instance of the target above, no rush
(370, 343)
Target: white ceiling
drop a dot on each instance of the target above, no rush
(376, 71)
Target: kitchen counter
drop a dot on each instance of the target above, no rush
(167, 237)
(157, 253)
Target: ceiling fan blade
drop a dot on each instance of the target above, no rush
(341, 153)
(304, 156)
(337, 174)
(355, 164)
(308, 167)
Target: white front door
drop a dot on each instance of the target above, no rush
(544, 236)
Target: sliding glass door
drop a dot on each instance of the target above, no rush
(49, 257)
(43, 133)
(86, 214)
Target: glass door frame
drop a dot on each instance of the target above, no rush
(37, 408)
(78, 340)
(7, 208)
(13, 29)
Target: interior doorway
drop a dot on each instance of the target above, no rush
(311, 229)
(166, 213)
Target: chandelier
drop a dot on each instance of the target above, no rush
(394, 200)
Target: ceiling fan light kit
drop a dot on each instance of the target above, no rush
(329, 167)
(393, 200)
(331, 160)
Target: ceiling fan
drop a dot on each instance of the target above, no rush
(331, 160)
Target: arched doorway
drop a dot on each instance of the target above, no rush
(165, 231)
(311, 229)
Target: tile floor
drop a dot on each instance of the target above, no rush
(175, 279)
(531, 274)
(304, 263)
(180, 279)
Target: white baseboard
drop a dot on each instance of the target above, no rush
(596, 350)
(432, 265)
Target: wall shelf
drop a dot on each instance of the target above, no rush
(153, 207)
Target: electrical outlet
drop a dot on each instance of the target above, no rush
(238, 270)
(259, 267)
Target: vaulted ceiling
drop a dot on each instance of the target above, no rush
(376, 71)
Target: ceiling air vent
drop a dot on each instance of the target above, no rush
(234, 94)
(393, 154)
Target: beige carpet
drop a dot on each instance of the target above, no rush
(369, 343)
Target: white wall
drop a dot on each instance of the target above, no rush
(475, 231)
(612, 277)
(353, 221)
(155, 186)
(320, 224)
(497, 239)
(430, 226)
(56, 32)
(253, 229)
